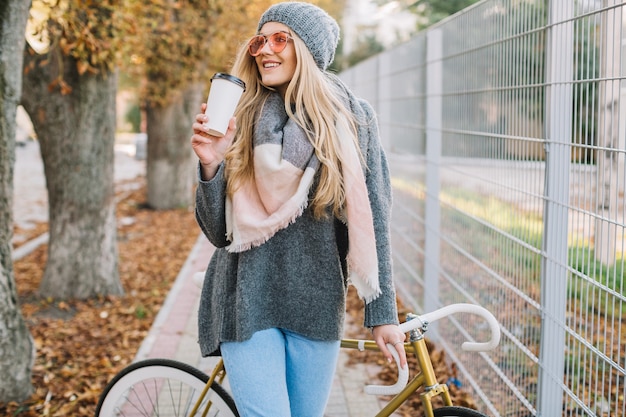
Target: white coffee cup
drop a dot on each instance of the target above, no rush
(224, 95)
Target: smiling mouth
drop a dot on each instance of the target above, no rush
(270, 65)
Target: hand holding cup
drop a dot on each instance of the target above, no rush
(215, 127)
(210, 149)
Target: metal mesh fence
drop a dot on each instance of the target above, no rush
(507, 139)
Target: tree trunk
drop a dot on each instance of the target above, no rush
(170, 166)
(76, 131)
(16, 344)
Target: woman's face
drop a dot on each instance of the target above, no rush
(276, 69)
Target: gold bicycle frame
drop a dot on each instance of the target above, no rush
(218, 374)
(424, 378)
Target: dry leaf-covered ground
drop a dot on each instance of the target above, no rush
(81, 345)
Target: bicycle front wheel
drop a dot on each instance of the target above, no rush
(456, 412)
(162, 388)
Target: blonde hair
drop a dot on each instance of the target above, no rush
(318, 103)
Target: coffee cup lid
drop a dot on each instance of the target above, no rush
(230, 78)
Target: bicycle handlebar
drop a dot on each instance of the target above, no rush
(403, 374)
(494, 327)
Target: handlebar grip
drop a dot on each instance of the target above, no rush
(494, 327)
(403, 378)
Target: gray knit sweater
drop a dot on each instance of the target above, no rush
(297, 279)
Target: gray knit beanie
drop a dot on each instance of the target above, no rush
(318, 30)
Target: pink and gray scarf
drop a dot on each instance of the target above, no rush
(284, 169)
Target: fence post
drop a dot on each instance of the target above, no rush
(609, 235)
(432, 244)
(559, 77)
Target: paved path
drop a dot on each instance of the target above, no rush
(174, 332)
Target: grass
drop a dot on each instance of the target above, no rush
(509, 240)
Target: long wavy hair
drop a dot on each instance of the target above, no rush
(318, 103)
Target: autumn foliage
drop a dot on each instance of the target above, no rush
(164, 45)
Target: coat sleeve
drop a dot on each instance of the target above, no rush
(382, 310)
(211, 207)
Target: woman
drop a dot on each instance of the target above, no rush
(296, 199)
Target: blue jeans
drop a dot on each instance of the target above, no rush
(278, 373)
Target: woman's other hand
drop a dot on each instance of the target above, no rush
(390, 333)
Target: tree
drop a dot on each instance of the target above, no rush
(16, 343)
(169, 55)
(176, 56)
(69, 91)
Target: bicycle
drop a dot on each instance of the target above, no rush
(164, 387)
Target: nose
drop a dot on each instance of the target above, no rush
(266, 48)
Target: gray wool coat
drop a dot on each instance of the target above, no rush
(297, 279)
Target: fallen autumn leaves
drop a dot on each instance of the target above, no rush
(82, 344)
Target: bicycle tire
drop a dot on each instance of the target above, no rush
(161, 388)
(456, 412)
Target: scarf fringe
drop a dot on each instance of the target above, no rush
(366, 283)
(244, 246)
